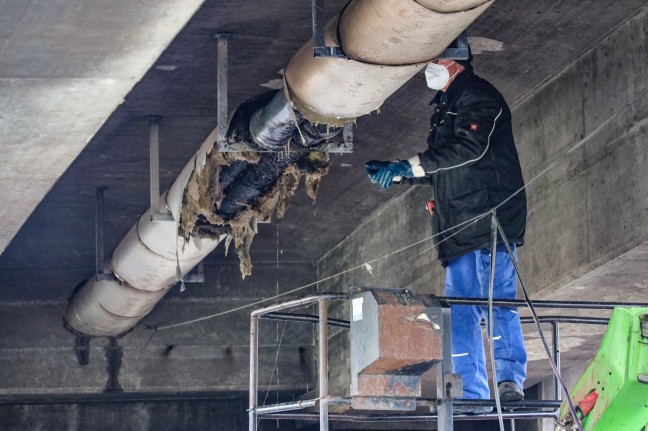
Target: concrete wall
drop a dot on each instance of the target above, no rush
(593, 205)
(216, 415)
(37, 357)
(133, 416)
(591, 123)
(209, 355)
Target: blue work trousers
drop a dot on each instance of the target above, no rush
(468, 276)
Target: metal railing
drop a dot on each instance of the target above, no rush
(531, 409)
(254, 411)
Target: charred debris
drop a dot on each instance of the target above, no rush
(232, 189)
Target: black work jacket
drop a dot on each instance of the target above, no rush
(473, 165)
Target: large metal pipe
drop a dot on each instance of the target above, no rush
(273, 125)
(387, 42)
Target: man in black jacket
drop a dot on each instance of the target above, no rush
(473, 166)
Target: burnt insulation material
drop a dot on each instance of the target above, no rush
(309, 134)
(231, 190)
(256, 180)
(229, 175)
(271, 126)
(276, 124)
(262, 188)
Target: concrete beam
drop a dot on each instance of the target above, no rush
(65, 67)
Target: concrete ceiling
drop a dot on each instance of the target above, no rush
(79, 79)
(66, 66)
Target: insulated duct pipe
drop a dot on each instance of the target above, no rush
(387, 42)
(147, 262)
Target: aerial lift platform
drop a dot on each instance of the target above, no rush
(397, 336)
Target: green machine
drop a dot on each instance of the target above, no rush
(612, 394)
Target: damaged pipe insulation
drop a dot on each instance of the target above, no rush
(146, 263)
(264, 181)
(219, 195)
(259, 190)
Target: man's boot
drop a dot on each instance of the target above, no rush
(510, 391)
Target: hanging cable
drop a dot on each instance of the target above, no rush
(275, 364)
(361, 266)
(491, 289)
(559, 158)
(554, 368)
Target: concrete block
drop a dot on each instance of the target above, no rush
(206, 415)
(395, 338)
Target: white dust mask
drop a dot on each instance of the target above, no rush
(437, 76)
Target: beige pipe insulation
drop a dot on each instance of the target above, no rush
(387, 41)
(146, 264)
(451, 5)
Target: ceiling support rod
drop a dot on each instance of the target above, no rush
(154, 162)
(222, 91)
(157, 213)
(99, 232)
(99, 237)
(319, 26)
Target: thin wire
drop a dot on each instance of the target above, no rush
(474, 219)
(261, 301)
(428, 249)
(279, 339)
(559, 158)
(355, 268)
(275, 364)
(463, 225)
(153, 330)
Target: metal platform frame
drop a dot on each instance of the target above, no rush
(532, 409)
(442, 405)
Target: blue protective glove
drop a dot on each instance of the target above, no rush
(384, 172)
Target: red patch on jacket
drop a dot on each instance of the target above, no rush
(474, 127)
